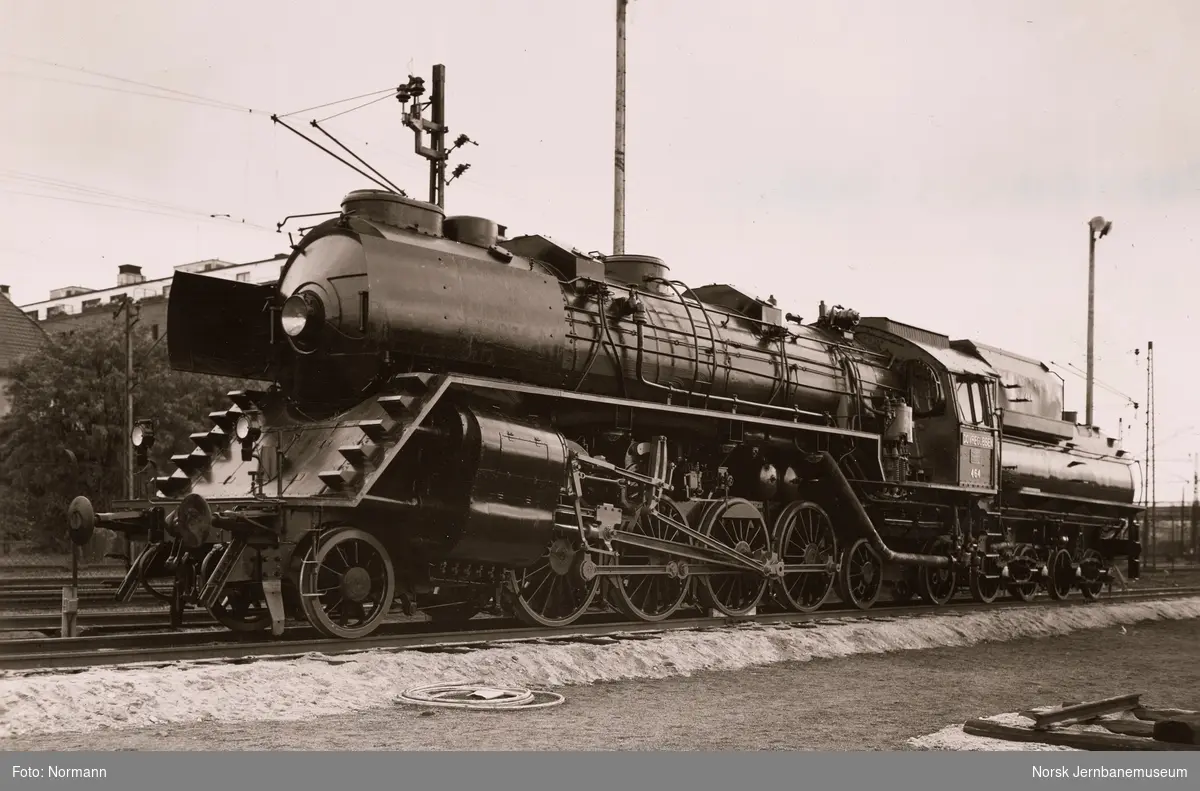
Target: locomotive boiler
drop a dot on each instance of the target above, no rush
(456, 420)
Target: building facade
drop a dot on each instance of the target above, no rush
(73, 308)
(19, 335)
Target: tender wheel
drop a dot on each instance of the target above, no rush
(860, 577)
(651, 597)
(241, 606)
(1091, 566)
(937, 586)
(737, 524)
(983, 589)
(552, 592)
(347, 584)
(1062, 575)
(1022, 569)
(804, 534)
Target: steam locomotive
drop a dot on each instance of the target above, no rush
(454, 420)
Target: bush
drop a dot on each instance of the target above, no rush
(65, 434)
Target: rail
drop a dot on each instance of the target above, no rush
(51, 655)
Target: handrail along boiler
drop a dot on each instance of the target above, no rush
(459, 421)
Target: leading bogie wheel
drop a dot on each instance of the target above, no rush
(651, 597)
(739, 525)
(151, 565)
(860, 577)
(552, 592)
(241, 607)
(937, 585)
(347, 583)
(804, 534)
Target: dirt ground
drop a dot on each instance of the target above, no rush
(867, 702)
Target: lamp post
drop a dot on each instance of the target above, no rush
(1098, 228)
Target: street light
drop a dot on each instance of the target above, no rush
(1098, 228)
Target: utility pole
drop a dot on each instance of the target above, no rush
(1195, 507)
(130, 310)
(1177, 537)
(1097, 226)
(619, 149)
(437, 134)
(1150, 483)
(435, 127)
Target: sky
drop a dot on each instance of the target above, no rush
(934, 161)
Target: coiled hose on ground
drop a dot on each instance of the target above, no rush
(479, 697)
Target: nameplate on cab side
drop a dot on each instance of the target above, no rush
(974, 439)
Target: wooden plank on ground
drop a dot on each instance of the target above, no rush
(1138, 728)
(1184, 729)
(1080, 741)
(1154, 715)
(1070, 715)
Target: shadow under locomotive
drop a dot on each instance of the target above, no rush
(458, 421)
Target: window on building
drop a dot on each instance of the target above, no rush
(154, 331)
(243, 277)
(33, 314)
(91, 303)
(166, 291)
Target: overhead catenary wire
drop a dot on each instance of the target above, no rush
(317, 126)
(194, 216)
(32, 179)
(92, 72)
(352, 109)
(278, 120)
(1104, 385)
(480, 697)
(1071, 368)
(341, 101)
(113, 88)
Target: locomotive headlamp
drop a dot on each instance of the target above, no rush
(143, 434)
(142, 439)
(248, 430)
(301, 312)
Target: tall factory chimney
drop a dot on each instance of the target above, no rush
(128, 275)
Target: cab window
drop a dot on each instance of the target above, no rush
(974, 407)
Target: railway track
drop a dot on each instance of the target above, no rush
(40, 598)
(56, 654)
(48, 581)
(102, 619)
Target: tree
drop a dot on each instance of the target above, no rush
(65, 434)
